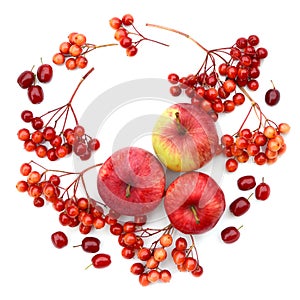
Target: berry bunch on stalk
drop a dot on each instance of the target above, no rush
(221, 84)
(72, 53)
(46, 186)
(50, 137)
(127, 35)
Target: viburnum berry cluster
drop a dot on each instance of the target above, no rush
(48, 139)
(194, 202)
(126, 38)
(214, 88)
(72, 53)
(263, 144)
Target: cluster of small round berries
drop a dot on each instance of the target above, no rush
(241, 205)
(125, 38)
(263, 146)
(149, 270)
(46, 142)
(73, 211)
(121, 33)
(208, 90)
(72, 52)
(28, 80)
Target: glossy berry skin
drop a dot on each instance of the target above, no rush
(59, 239)
(230, 235)
(101, 260)
(239, 206)
(35, 94)
(90, 244)
(262, 191)
(272, 97)
(44, 73)
(246, 183)
(26, 79)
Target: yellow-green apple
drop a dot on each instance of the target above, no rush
(184, 137)
(194, 203)
(131, 181)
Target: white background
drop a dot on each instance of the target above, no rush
(265, 262)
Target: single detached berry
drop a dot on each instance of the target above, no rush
(26, 79)
(100, 260)
(262, 191)
(90, 244)
(35, 94)
(59, 239)
(230, 234)
(239, 206)
(272, 96)
(246, 182)
(44, 73)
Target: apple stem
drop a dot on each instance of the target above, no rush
(180, 128)
(195, 214)
(127, 195)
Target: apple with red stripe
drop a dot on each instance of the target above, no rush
(194, 203)
(132, 181)
(185, 138)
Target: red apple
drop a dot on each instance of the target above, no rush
(131, 181)
(185, 137)
(194, 203)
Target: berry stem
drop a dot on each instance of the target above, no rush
(194, 247)
(79, 84)
(248, 114)
(91, 47)
(178, 32)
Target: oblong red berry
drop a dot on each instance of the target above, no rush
(246, 182)
(101, 260)
(35, 94)
(262, 191)
(59, 239)
(239, 206)
(230, 235)
(26, 79)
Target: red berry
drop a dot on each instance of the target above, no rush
(127, 19)
(26, 79)
(239, 206)
(59, 239)
(272, 96)
(262, 191)
(230, 234)
(35, 94)
(115, 23)
(27, 116)
(131, 51)
(44, 73)
(90, 244)
(126, 42)
(246, 182)
(231, 165)
(101, 260)
(58, 58)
